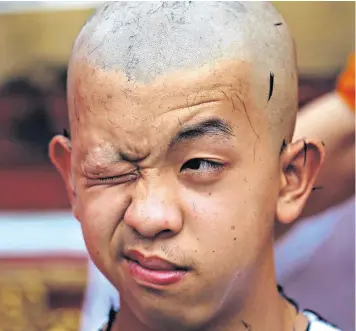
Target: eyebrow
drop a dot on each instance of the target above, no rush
(209, 127)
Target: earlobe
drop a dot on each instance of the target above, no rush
(300, 164)
(60, 156)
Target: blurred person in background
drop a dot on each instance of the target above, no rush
(26, 124)
(56, 100)
(315, 257)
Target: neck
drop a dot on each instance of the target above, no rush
(265, 309)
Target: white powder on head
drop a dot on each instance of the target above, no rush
(147, 39)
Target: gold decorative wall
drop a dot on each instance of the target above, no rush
(29, 40)
(41, 294)
(324, 32)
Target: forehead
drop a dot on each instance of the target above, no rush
(93, 88)
(106, 109)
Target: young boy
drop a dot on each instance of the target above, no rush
(180, 160)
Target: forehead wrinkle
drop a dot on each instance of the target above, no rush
(204, 83)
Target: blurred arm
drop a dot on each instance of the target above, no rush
(331, 120)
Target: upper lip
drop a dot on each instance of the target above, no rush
(151, 262)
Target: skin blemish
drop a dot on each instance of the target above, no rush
(233, 227)
(271, 84)
(234, 238)
(213, 251)
(278, 24)
(109, 96)
(209, 193)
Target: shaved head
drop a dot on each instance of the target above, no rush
(145, 40)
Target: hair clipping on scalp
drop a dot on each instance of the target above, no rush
(66, 133)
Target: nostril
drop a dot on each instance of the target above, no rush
(164, 233)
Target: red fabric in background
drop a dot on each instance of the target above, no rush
(28, 189)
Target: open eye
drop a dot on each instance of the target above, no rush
(201, 165)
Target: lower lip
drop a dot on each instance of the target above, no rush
(155, 277)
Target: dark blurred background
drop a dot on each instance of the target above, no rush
(42, 254)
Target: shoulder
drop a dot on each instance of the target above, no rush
(317, 323)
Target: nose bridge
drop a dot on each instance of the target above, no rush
(154, 208)
(153, 198)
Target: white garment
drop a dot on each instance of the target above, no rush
(315, 324)
(100, 296)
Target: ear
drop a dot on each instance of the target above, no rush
(300, 162)
(60, 156)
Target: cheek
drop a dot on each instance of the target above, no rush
(234, 219)
(100, 212)
(213, 222)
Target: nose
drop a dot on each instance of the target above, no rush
(154, 210)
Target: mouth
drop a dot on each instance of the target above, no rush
(153, 270)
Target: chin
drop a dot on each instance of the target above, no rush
(161, 320)
(163, 315)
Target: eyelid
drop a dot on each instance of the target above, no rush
(210, 165)
(119, 179)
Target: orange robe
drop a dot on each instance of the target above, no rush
(346, 83)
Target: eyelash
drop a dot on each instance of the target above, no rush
(105, 179)
(112, 178)
(210, 166)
